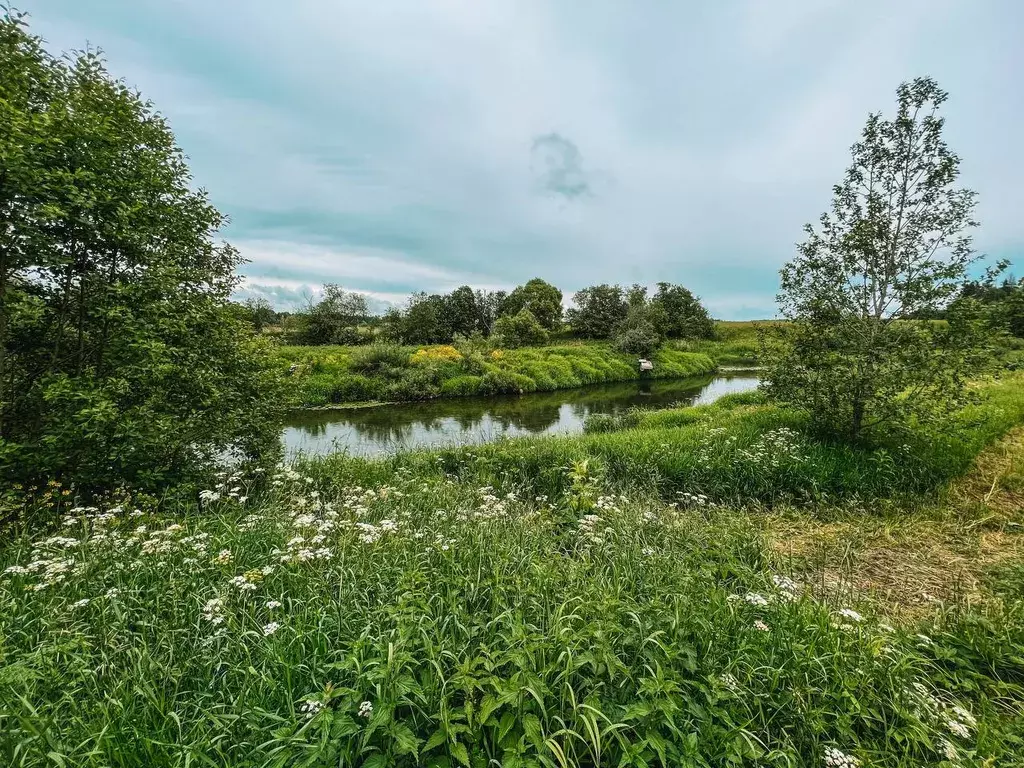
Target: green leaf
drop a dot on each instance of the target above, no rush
(436, 739)
(533, 731)
(459, 752)
(406, 742)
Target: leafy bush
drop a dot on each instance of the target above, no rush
(636, 335)
(356, 388)
(121, 357)
(413, 384)
(519, 330)
(500, 381)
(461, 386)
(376, 356)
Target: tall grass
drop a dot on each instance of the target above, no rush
(431, 622)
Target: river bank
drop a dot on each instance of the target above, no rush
(331, 376)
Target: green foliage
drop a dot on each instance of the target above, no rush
(683, 316)
(375, 357)
(893, 249)
(597, 311)
(258, 312)
(121, 359)
(334, 319)
(462, 386)
(519, 330)
(637, 334)
(501, 381)
(462, 312)
(541, 299)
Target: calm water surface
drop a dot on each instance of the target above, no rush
(388, 428)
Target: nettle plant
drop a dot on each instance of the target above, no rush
(859, 351)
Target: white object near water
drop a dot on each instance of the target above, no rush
(646, 365)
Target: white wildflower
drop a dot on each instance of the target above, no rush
(784, 583)
(760, 626)
(312, 707)
(213, 611)
(224, 557)
(852, 615)
(756, 599)
(273, 605)
(947, 749)
(80, 603)
(365, 709)
(271, 628)
(834, 758)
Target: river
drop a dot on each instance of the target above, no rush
(382, 429)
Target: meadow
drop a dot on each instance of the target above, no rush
(684, 587)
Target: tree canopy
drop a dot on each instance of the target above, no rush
(120, 360)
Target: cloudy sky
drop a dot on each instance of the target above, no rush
(393, 145)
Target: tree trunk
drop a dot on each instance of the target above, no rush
(857, 422)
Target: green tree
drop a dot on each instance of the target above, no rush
(893, 247)
(425, 320)
(542, 299)
(489, 305)
(259, 312)
(597, 311)
(121, 359)
(335, 318)
(683, 316)
(461, 312)
(637, 334)
(519, 330)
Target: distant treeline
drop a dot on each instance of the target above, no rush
(531, 314)
(1006, 297)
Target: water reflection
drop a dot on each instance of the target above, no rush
(387, 428)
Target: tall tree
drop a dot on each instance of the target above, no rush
(542, 299)
(462, 312)
(893, 247)
(683, 315)
(121, 360)
(334, 318)
(597, 311)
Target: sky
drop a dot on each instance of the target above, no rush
(402, 145)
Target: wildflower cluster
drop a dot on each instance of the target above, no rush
(940, 711)
(835, 758)
(228, 487)
(774, 449)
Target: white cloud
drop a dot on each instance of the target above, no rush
(387, 146)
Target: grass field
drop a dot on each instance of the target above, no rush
(707, 587)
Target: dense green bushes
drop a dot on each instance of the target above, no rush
(121, 361)
(330, 375)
